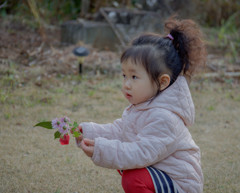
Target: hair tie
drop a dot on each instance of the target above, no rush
(170, 37)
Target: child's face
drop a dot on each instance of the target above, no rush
(137, 86)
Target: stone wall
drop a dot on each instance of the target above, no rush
(100, 34)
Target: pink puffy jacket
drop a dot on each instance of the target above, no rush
(153, 133)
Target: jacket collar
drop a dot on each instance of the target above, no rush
(176, 98)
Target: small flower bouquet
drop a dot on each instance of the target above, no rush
(63, 126)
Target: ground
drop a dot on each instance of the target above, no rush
(39, 81)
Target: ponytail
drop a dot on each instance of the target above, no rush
(188, 41)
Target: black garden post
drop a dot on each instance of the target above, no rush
(81, 53)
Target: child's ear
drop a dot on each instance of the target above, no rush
(164, 81)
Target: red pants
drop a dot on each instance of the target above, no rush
(137, 181)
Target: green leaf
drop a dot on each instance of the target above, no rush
(76, 134)
(75, 124)
(45, 124)
(57, 134)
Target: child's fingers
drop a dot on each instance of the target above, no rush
(89, 142)
(80, 137)
(87, 146)
(78, 141)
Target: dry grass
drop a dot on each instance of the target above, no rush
(31, 161)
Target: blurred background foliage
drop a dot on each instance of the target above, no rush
(220, 17)
(209, 12)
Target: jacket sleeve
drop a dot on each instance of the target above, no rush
(109, 131)
(154, 142)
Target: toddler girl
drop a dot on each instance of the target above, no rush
(150, 145)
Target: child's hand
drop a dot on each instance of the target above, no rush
(80, 138)
(87, 146)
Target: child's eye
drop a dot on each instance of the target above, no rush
(124, 75)
(134, 77)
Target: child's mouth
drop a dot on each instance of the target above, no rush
(128, 96)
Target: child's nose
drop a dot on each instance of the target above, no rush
(127, 84)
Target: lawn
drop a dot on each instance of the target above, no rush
(32, 161)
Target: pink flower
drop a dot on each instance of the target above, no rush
(63, 128)
(61, 124)
(65, 119)
(64, 140)
(56, 123)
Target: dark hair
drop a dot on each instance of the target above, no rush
(162, 55)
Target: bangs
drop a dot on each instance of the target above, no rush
(140, 55)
